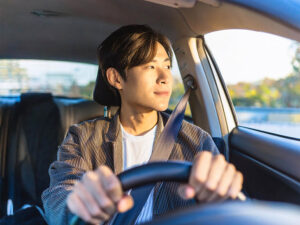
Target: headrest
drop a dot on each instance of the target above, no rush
(35, 98)
(104, 94)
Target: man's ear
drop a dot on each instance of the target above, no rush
(114, 78)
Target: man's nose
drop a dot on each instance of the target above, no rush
(164, 76)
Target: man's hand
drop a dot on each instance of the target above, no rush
(212, 179)
(97, 196)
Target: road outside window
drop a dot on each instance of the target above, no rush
(262, 74)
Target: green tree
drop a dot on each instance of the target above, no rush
(289, 87)
(284, 92)
(87, 90)
(11, 71)
(177, 93)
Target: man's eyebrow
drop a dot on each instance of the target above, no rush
(166, 59)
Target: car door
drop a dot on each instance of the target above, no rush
(270, 161)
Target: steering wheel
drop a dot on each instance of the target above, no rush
(227, 213)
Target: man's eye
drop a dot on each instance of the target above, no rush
(151, 67)
(169, 67)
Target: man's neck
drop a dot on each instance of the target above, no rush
(137, 122)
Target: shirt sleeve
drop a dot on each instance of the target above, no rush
(209, 145)
(63, 173)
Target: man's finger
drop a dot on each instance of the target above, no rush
(200, 170)
(216, 171)
(236, 185)
(110, 183)
(77, 207)
(90, 203)
(226, 180)
(204, 194)
(186, 191)
(125, 203)
(224, 184)
(93, 185)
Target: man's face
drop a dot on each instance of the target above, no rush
(149, 86)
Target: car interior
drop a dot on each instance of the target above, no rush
(32, 125)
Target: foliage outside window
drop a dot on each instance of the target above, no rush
(262, 74)
(177, 93)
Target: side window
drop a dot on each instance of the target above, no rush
(262, 75)
(178, 88)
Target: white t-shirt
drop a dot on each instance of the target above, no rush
(137, 150)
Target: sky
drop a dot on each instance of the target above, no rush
(241, 56)
(250, 56)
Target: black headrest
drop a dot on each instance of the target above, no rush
(104, 94)
(30, 98)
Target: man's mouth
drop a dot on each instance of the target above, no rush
(162, 93)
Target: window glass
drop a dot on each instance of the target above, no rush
(69, 79)
(59, 78)
(178, 88)
(262, 74)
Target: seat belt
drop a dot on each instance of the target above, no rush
(161, 152)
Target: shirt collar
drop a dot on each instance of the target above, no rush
(114, 129)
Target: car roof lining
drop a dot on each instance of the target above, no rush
(80, 26)
(285, 10)
(220, 18)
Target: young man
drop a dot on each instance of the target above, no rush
(135, 62)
